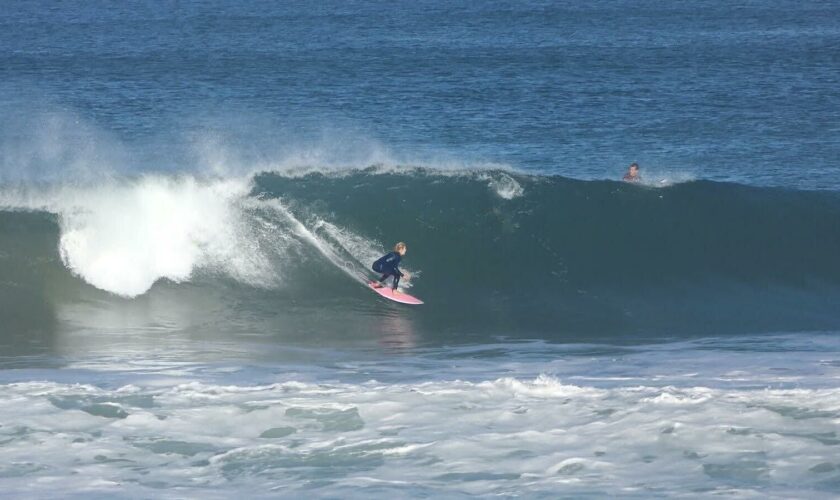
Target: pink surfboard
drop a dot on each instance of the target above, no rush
(401, 297)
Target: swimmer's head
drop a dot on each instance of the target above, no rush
(400, 248)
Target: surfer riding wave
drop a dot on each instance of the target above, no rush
(388, 266)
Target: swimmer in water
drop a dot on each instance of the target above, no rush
(632, 174)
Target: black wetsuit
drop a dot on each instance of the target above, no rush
(387, 265)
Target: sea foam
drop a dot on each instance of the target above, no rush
(447, 437)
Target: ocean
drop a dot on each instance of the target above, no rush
(192, 195)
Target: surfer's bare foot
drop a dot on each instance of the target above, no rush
(375, 284)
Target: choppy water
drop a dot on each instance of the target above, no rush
(190, 194)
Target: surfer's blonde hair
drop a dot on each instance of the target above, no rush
(399, 246)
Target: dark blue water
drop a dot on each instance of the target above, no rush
(745, 93)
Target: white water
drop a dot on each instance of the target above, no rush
(599, 425)
(123, 236)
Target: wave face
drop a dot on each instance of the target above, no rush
(491, 252)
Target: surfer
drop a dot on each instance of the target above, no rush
(632, 174)
(387, 265)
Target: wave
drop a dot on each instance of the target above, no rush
(523, 252)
